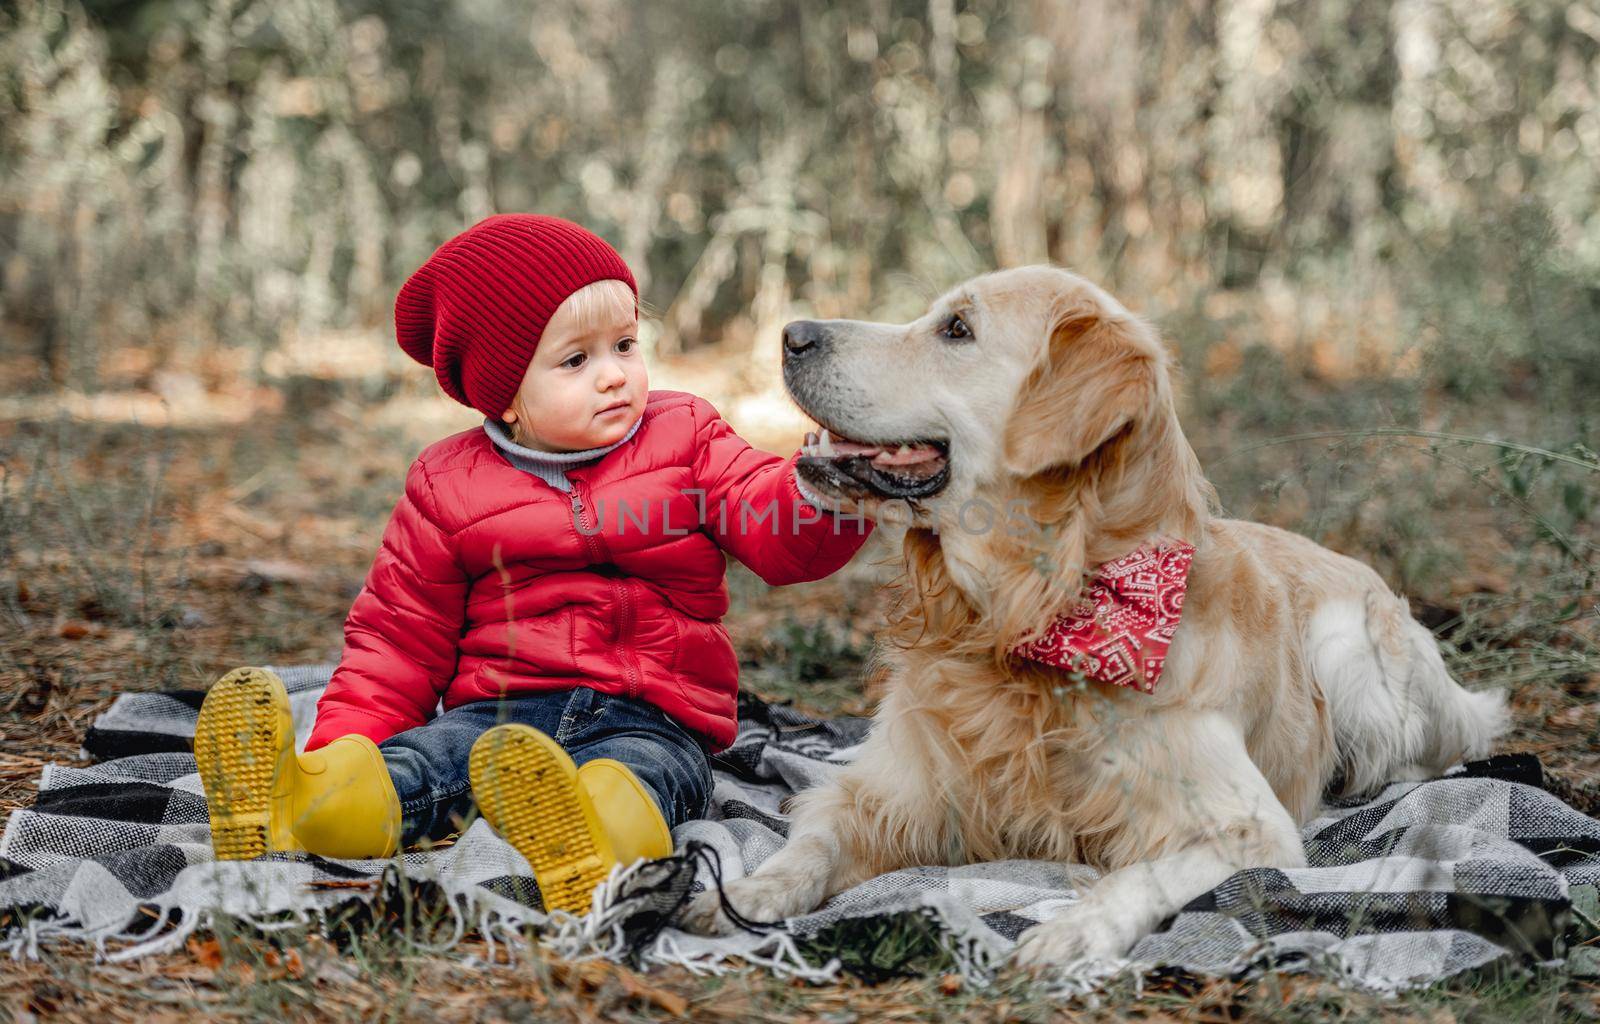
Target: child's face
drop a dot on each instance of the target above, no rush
(586, 384)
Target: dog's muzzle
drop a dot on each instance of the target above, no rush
(832, 461)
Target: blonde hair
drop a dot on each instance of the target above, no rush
(600, 301)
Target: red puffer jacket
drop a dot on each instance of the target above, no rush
(489, 581)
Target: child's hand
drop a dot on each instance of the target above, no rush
(838, 505)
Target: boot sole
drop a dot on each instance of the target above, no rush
(527, 788)
(237, 742)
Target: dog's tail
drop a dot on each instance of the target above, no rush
(1397, 712)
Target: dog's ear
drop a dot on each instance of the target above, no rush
(1097, 377)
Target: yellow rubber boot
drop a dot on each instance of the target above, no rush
(343, 803)
(627, 811)
(572, 826)
(243, 745)
(261, 796)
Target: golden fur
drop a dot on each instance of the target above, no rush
(1293, 666)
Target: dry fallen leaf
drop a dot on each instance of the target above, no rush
(207, 951)
(286, 964)
(660, 998)
(1575, 717)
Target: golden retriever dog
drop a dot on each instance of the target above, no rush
(1030, 398)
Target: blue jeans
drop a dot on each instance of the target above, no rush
(428, 764)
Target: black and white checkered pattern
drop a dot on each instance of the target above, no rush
(1424, 881)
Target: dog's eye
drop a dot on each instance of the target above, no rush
(956, 329)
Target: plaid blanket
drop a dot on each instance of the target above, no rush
(1424, 881)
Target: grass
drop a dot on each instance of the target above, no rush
(297, 975)
(816, 662)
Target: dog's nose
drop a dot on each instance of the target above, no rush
(803, 338)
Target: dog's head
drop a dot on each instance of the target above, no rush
(1026, 415)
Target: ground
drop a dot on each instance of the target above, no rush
(148, 544)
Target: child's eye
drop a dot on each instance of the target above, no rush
(627, 345)
(575, 360)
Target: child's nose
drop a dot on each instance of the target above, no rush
(612, 374)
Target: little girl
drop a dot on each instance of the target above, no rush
(540, 632)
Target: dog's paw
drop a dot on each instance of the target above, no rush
(703, 915)
(764, 900)
(1085, 931)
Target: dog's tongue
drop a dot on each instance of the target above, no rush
(906, 455)
(885, 458)
(845, 448)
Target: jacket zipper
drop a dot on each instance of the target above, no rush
(624, 632)
(585, 530)
(623, 605)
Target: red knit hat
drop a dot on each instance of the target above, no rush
(475, 311)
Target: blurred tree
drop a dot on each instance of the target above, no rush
(184, 173)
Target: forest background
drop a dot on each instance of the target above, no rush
(1369, 229)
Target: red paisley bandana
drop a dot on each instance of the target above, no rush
(1119, 631)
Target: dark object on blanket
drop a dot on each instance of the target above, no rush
(649, 900)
